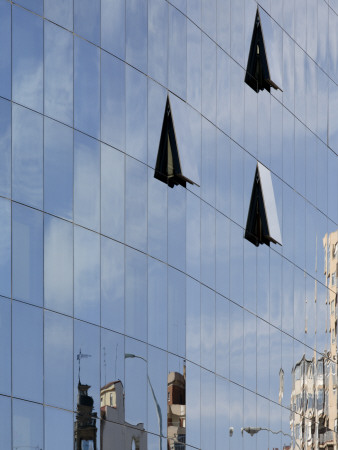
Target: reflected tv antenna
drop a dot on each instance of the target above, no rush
(79, 356)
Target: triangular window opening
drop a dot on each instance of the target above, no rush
(257, 72)
(257, 227)
(168, 167)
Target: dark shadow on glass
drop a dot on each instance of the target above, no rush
(257, 72)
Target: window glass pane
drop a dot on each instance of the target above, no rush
(58, 65)
(237, 32)
(136, 204)
(237, 184)
(209, 16)
(112, 285)
(156, 102)
(5, 49)
(33, 5)
(208, 410)
(87, 19)
(177, 76)
(27, 158)
(113, 101)
(136, 294)
(332, 186)
(194, 65)
(236, 266)
(208, 245)
(87, 364)
(6, 423)
(113, 19)
(222, 254)
(194, 9)
(5, 146)
(27, 344)
(58, 169)
(27, 254)
(193, 321)
(208, 77)
(222, 413)
(157, 303)
(86, 87)
(176, 312)
(5, 348)
(193, 235)
(208, 328)
(56, 419)
(158, 40)
(288, 71)
(27, 425)
(112, 192)
(237, 102)
(112, 374)
(288, 147)
(136, 33)
(136, 114)
(157, 217)
(87, 166)
(157, 391)
(193, 404)
(333, 128)
(333, 57)
(27, 53)
(300, 83)
(58, 264)
(58, 360)
(263, 127)
(60, 12)
(86, 275)
(209, 147)
(5, 247)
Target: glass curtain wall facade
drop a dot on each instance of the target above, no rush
(134, 315)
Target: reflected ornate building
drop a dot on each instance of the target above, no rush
(176, 411)
(85, 429)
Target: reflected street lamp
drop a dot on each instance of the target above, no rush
(255, 430)
(158, 408)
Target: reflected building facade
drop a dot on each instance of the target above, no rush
(168, 179)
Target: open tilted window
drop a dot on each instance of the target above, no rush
(257, 72)
(262, 225)
(173, 167)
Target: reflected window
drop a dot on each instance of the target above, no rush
(257, 72)
(262, 225)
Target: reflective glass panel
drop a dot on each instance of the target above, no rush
(112, 192)
(27, 156)
(58, 264)
(112, 374)
(60, 12)
(208, 410)
(156, 102)
(237, 32)
(177, 227)
(157, 217)
(27, 424)
(113, 109)
(208, 245)
(158, 40)
(208, 328)
(236, 263)
(27, 345)
(194, 68)
(87, 166)
(86, 275)
(177, 66)
(58, 169)
(5, 350)
(237, 75)
(112, 285)
(157, 303)
(136, 294)
(222, 336)
(86, 87)
(5, 146)
(62, 420)
(222, 414)
(5, 49)
(208, 75)
(236, 343)
(113, 19)
(5, 247)
(250, 351)
(158, 388)
(136, 33)
(209, 148)
(193, 338)
(6, 423)
(193, 404)
(58, 70)
(194, 9)
(193, 236)
(176, 312)
(58, 360)
(87, 19)
(27, 54)
(27, 254)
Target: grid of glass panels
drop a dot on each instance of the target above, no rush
(136, 316)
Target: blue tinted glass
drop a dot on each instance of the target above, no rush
(176, 302)
(208, 328)
(58, 169)
(208, 245)
(58, 65)
(209, 147)
(6, 423)
(157, 217)
(5, 147)
(58, 264)
(194, 67)
(27, 254)
(5, 247)
(86, 275)
(113, 19)
(209, 18)
(58, 360)
(5, 49)
(223, 24)
(86, 87)
(193, 236)
(158, 40)
(27, 158)
(87, 19)
(33, 5)
(157, 303)
(5, 348)
(209, 78)
(27, 52)
(136, 114)
(136, 204)
(86, 181)
(63, 420)
(27, 425)
(113, 109)
(112, 285)
(136, 294)
(60, 12)
(112, 192)
(27, 343)
(177, 227)
(177, 76)
(136, 33)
